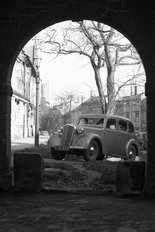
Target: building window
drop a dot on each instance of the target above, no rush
(127, 104)
(136, 116)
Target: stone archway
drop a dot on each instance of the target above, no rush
(25, 19)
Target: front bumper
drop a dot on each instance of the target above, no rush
(68, 150)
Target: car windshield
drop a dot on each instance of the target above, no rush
(91, 121)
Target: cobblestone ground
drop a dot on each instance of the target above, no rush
(21, 212)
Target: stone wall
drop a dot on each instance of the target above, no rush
(20, 20)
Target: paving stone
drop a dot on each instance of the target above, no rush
(126, 229)
(41, 212)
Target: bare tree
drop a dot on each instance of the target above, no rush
(102, 45)
(66, 100)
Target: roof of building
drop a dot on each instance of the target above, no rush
(103, 116)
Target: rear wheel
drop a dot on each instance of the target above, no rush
(57, 155)
(131, 155)
(92, 152)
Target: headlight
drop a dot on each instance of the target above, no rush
(79, 130)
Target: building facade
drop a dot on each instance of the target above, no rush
(24, 95)
(134, 108)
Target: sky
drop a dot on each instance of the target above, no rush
(69, 73)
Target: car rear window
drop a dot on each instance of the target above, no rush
(131, 128)
(123, 125)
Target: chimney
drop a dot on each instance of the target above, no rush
(91, 94)
(135, 89)
(81, 99)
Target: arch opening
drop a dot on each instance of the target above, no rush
(133, 97)
(133, 82)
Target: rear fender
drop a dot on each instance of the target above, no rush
(134, 143)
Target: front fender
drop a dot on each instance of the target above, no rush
(135, 143)
(84, 141)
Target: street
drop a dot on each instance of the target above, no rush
(22, 143)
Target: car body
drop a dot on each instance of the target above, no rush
(95, 136)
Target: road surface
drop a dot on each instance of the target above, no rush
(19, 144)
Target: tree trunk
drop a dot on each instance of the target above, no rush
(111, 67)
(111, 91)
(100, 90)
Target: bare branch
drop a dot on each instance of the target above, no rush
(101, 44)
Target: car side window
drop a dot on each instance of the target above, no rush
(122, 125)
(91, 121)
(100, 122)
(111, 124)
(82, 122)
(131, 127)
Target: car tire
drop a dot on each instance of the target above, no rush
(92, 152)
(57, 155)
(131, 154)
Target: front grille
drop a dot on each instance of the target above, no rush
(67, 135)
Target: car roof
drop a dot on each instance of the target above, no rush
(103, 116)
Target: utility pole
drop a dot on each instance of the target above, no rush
(37, 109)
(35, 69)
(131, 105)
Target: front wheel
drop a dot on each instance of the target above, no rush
(92, 152)
(131, 154)
(57, 155)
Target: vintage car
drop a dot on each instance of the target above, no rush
(96, 136)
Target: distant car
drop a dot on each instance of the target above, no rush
(95, 136)
(142, 137)
(45, 133)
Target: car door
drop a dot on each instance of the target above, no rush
(110, 136)
(123, 137)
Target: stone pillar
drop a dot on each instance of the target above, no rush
(149, 65)
(5, 143)
(130, 176)
(28, 171)
(150, 93)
